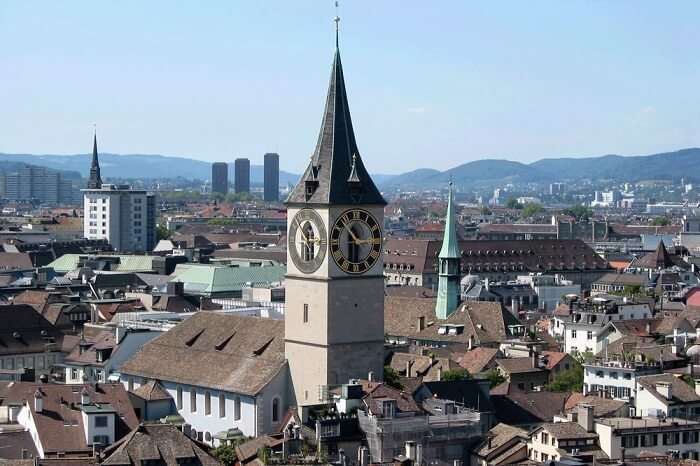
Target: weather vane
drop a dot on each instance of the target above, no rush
(337, 22)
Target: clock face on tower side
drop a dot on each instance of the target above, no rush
(306, 240)
(356, 241)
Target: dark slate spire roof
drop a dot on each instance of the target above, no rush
(95, 180)
(331, 177)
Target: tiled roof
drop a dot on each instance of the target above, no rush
(88, 355)
(553, 358)
(23, 330)
(164, 442)
(60, 424)
(622, 279)
(15, 261)
(248, 353)
(550, 255)
(152, 391)
(567, 430)
(477, 360)
(518, 365)
(500, 434)
(516, 407)
(379, 391)
(487, 322)
(681, 392)
(601, 406)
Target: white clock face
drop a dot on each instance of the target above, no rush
(307, 241)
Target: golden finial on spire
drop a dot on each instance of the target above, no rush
(337, 23)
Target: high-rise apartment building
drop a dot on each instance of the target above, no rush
(219, 177)
(242, 175)
(271, 177)
(39, 184)
(125, 217)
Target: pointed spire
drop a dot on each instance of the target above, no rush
(95, 180)
(326, 179)
(450, 248)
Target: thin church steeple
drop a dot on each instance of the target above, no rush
(449, 265)
(329, 177)
(95, 180)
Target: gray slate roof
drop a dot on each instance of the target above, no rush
(337, 178)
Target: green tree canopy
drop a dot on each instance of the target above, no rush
(579, 211)
(455, 374)
(568, 381)
(391, 377)
(495, 377)
(531, 209)
(512, 203)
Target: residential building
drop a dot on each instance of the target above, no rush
(666, 395)
(558, 440)
(94, 360)
(164, 441)
(616, 379)
(627, 436)
(69, 421)
(125, 217)
(271, 177)
(219, 177)
(29, 341)
(39, 184)
(241, 173)
(524, 373)
(503, 445)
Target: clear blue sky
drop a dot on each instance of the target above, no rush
(430, 83)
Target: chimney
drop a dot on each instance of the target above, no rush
(535, 359)
(488, 440)
(647, 327)
(84, 397)
(38, 402)
(439, 373)
(471, 342)
(665, 389)
(409, 364)
(421, 323)
(411, 450)
(370, 376)
(585, 416)
(419, 454)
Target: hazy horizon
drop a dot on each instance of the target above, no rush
(430, 86)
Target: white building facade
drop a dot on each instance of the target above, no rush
(125, 217)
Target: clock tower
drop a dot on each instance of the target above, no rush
(334, 315)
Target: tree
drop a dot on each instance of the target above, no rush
(531, 209)
(495, 377)
(579, 212)
(485, 211)
(568, 381)
(661, 221)
(226, 454)
(512, 203)
(391, 377)
(632, 290)
(162, 232)
(453, 375)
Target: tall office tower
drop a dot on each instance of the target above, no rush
(272, 177)
(242, 175)
(219, 177)
(125, 217)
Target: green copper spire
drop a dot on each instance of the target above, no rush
(449, 265)
(450, 248)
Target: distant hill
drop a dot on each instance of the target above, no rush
(664, 166)
(138, 166)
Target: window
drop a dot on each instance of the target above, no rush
(193, 400)
(74, 376)
(671, 438)
(545, 437)
(275, 410)
(589, 335)
(131, 384)
(207, 403)
(100, 421)
(100, 439)
(222, 405)
(306, 313)
(573, 334)
(179, 397)
(237, 409)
